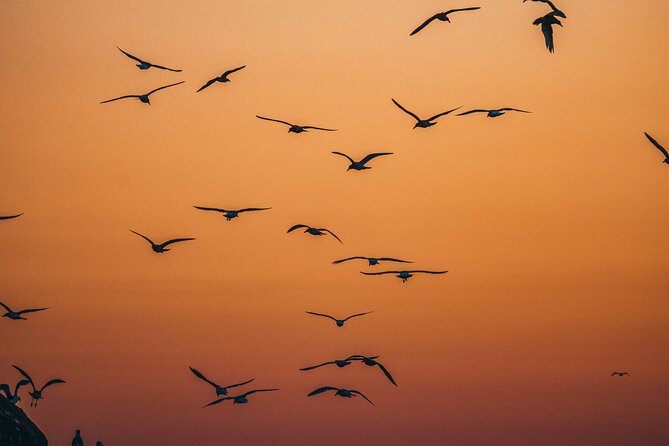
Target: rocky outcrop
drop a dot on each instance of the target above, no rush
(16, 429)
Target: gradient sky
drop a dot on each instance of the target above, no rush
(553, 225)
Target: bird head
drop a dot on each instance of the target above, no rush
(666, 161)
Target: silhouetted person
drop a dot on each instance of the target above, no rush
(77, 440)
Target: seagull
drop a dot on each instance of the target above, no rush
(422, 123)
(229, 213)
(219, 389)
(161, 247)
(370, 361)
(16, 315)
(443, 16)
(404, 275)
(142, 97)
(9, 217)
(360, 165)
(37, 394)
(344, 393)
(372, 260)
(222, 78)
(239, 399)
(339, 322)
(620, 374)
(315, 231)
(341, 363)
(294, 128)
(144, 65)
(659, 147)
(494, 112)
(77, 440)
(547, 23)
(13, 398)
(550, 3)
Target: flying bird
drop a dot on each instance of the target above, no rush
(494, 112)
(547, 23)
(360, 165)
(37, 394)
(442, 16)
(77, 440)
(9, 217)
(315, 231)
(341, 363)
(550, 3)
(372, 260)
(220, 390)
(294, 128)
(620, 374)
(229, 214)
(239, 399)
(144, 65)
(222, 78)
(404, 275)
(13, 398)
(344, 393)
(370, 361)
(16, 315)
(159, 248)
(142, 97)
(659, 147)
(422, 123)
(339, 322)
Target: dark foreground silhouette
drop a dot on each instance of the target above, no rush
(16, 429)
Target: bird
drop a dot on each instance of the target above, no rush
(372, 260)
(550, 3)
(344, 393)
(222, 78)
(341, 363)
(370, 361)
(360, 165)
(494, 112)
(422, 123)
(230, 213)
(144, 65)
(659, 147)
(13, 398)
(220, 390)
(77, 440)
(99, 443)
(404, 275)
(37, 394)
(16, 315)
(314, 231)
(339, 322)
(621, 374)
(443, 16)
(547, 23)
(294, 128)
(239, 399)
(142, 97)
(9, 217)
(160, 248)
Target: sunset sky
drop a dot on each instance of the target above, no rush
(552, 225)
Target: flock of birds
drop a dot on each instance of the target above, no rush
(222, 392)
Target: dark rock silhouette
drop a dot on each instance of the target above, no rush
(16, 429)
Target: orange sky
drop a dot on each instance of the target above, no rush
(553, 225)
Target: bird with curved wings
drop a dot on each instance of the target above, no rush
(547, 23)
(229, 214)
(371, 362)
(220, 390)
(239, 399)
(360, 165)
(144, 65)
(442, 16)
(294, 128)
(162, 247)
(371, 260)
(493, 113)
(36, 394)
(423, 123)
(17, 315)
(338, 322)
(404, 275)
(314, 231)
(142, 97)
(222, 78)
(556, 11)
(344, 393)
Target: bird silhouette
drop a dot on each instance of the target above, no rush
(372, 260)
(144, 65)
(493, 113)
(13, 398)
(222, 78)
(620, 374)
(9, 217)
(422, 123)
(162, 247)
(239, 399)
(142, 97)
(77, 440)
(371, 362)
(37, 394)
(229, 214)
(442, 16)
(314, 231)
(339, 322)
(659, 147)
(16, 315)
(360, 165)
(404, 275)
(294, 128)
(547, 23)
(220, 390)
(344, 393)
(550, 3)
(341, 363)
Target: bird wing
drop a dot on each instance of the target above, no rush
(131, 56)
(321, 390)
(379, 273)
(514, 109)
(371, 156)
(176, 240)
(424, 24)
(120, 97)
(331, 233)
(427, 272)
(386, 372)
(275, 120)
(318, 128)
(657, 145)
(405, 110)
(9, 310)
(358, 314)
(443, 114)
(31, 310)
(210, 209)
(390, 259)
(349, 258)
(319, 314)
(253, 209)
(233, 70)
(52, 382)
(363, 395)
(462, 9)
(304, 369)
(144, 237)
(257, 390)
(240, 384)
(209, 82)
(164, 86)
(555, 10)
(220, 400)
(344, 155)
(296, 227)
(199, 374)
(23, 382)
(25, 375)
(165, 68)
(5, 388)
(10, 216)
(547, 29)
(478, 110)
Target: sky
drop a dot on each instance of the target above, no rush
(552, 225)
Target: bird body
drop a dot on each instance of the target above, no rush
(314, 231)
(372, 260)
(659, 147)
(294, 128)
(441, 16)
(17, 315)
(344, 393)
(222, 78)
(339, 322)
(422, 123)
(239, 399)
(162, 247)
(371, 362)
(547, 23)
(621, 374)
(142, 97)
(360, 165)
(220, 390)
(494, 113)
(13, 398)
(229, 214)
(404, 275)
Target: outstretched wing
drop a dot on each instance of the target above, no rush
(657, 145)
(9, 310)
(258, 390)
(344, 155)
(207, 84)
(362, 395)
(424, 24)
(379, 273)
(5, 388)
(478, 110)
(199, 374)
(8, 217)
(274, 120)
(371, 156)
(319, 314)
(52, 382)
(514, 109)
(220, 400)
(210, 209)
(31, 310)
(240, 384)
(318, 128)
(358, 314)
(331, 233)
(427, 272)
(405, 110)
(164, 86)
(165, 68)
(321, 390)
(253, 209)
(386, 372)
(547, 30)
(390, 259)
(233, 70)
(176, 240)
(304, 369)
(556, 11)
(131, 56)
(443, 114)
(120, 97)
(296, 227)
(25, 375)
(349, 258)
(144, 237)
(462, 9)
